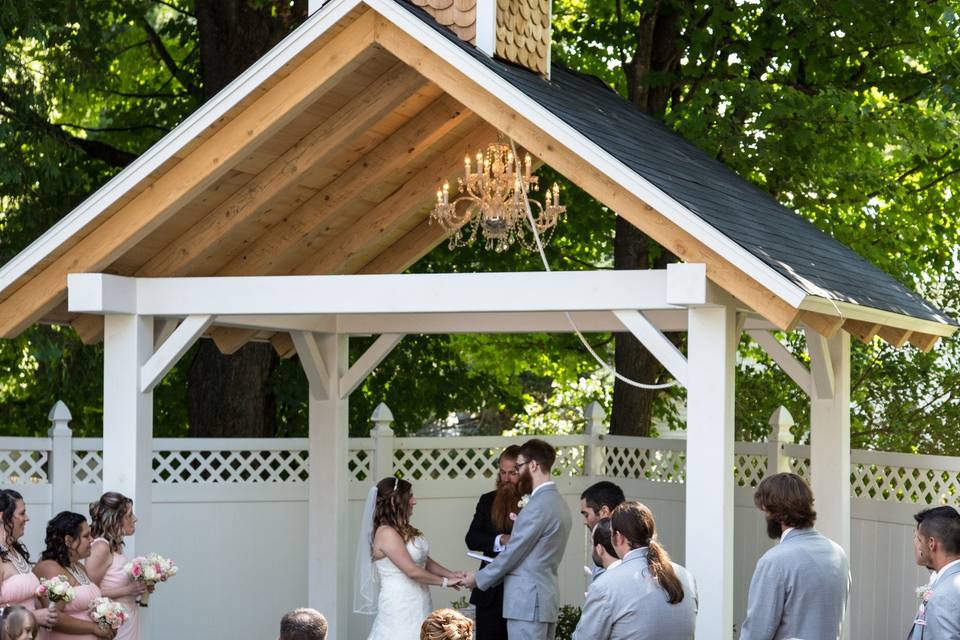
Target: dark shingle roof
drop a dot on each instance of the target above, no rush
(794, 247)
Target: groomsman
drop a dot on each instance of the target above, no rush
(528, 566)
(936, 546)
(799, 588)
(489, 533)
(604, 555)
(598, 501)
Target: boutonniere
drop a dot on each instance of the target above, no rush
(924, 593)
(524, 500)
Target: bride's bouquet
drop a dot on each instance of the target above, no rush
(150, 570)
(108, 614)
(55, 590)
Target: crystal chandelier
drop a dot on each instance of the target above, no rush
(492, 202)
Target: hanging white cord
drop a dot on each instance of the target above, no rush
(546, 266)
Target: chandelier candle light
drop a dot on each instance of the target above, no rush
(495, 203)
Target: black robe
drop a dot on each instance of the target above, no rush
(489, 603)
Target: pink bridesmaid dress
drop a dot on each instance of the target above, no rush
(117, 577)
(20, 589)
(83, 595)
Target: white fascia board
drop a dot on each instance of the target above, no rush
(101, 293)
(403, 293)
(849, 311)
(591, 152)
(160, 152)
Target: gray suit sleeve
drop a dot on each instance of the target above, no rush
(596, 619)
(943, 623)
(526, 532)
(764, 603)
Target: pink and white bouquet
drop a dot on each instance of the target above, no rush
(54, 590)
(107, 613)
(150, 570)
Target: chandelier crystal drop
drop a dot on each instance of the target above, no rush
(491, 202)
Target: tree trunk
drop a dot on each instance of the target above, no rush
(229, 395)
(656, 53)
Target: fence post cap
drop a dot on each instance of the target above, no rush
(381, 418)
(594, 414)
(780, 423)
(60, 417)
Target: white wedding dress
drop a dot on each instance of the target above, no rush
(403, 603)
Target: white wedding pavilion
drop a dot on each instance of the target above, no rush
(288, 207)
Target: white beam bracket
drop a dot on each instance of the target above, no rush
(782, 356)
(657, 343)
(311, 359)
(366, 363)
(172, 349)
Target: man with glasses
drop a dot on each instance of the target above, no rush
(528, 565)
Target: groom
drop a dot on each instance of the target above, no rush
(528, 565)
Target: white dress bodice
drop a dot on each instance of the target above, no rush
(403, 603)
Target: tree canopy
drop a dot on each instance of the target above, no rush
(845, 111)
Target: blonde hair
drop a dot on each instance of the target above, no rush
(446, 624)
(106, 518)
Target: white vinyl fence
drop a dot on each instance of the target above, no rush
(232, 512)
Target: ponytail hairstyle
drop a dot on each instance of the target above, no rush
(393, 507)
(65, 523)
(603, 536)
(8, 506)
(106, 518)
(446, 624)
(634, 521)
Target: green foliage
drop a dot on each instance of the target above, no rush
(567, 620)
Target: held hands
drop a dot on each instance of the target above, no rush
(469, 580)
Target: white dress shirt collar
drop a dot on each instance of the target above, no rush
(548, 482)
(785, 532)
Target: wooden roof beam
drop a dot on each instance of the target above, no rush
(216, 155)
(192, 250)
(896, 337)
(825, 325)
(89, 328)
(416, 194)
(285, 245)
(923, 341)
(865, 332)
(599, 185)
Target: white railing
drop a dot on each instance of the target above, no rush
(875, 476)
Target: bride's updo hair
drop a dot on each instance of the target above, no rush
(393, 507)
(446, 624)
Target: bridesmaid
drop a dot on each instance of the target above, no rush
(17, 583)
(68, 542)
(112, 518)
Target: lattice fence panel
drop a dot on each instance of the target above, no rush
(448, 463)
(87, 467)
(23, 467)
(358, 464)
(749, 469)
(801, 467)
(658, 465)
(225, 467)
(569, 461)
(904, 484)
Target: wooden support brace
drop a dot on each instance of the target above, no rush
(650, 337)
(865, 332)
(366, 363)
(826, 326)
(923, 341)
(311, 359)
(821, 366)
(782, 356)
(89, 328)
(172, 349)
(230, 339)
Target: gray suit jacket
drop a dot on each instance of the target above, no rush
(942, 611)
(528, 566)
(799, 590)
(626, 603)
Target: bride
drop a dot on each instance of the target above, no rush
(394, 568)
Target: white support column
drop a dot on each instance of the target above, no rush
(830, 444)
(709, 479)
(330, 552)
(128, 424)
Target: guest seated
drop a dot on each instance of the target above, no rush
(446, 624)
(68, 542)
(18, 584)
(646, 597)
(17, 623)
(303, 624)
(604, 555)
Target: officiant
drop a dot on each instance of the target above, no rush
(489, 534)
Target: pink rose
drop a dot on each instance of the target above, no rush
(136, 571)
(513, 516)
